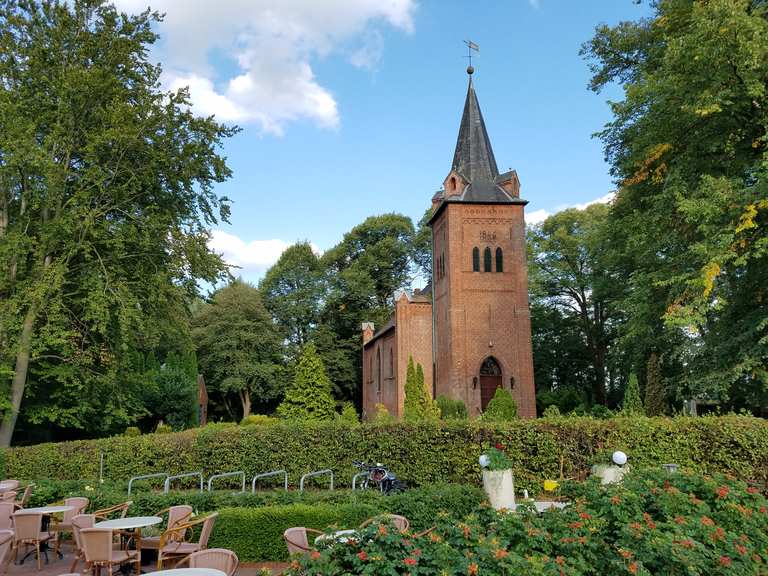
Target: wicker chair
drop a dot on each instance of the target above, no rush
(11, 484)
(78, 523)
(25, 496)
(28, 532)
(400, 522)
(79, 504)
(177, 515)
(6, 515)
(118, 510)
(217, 558)
(9, 496)
(297, 539)
(6, 545)
(99, 553)
(171, 546)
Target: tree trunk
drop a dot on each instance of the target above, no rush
(599, 384)
(19, 377)
(245, 398)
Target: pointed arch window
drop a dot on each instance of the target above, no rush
(391, 364)
(487, 260)
(499, 260)
(378, 370)
(475, 259)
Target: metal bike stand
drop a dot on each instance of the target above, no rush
(313, 474)
(267, 475)
(240, 473)
(167, 484)
(145, 477)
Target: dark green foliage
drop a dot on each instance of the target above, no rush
(632, 405)
(238, 348)
(309, 396)
(451, 409)
(173, 397)
(419, 454)
(411, 407)
(551, 411)
(501, 408)
(655, 400)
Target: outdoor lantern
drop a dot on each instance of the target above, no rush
(619, 458)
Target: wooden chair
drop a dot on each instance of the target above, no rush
(79, 504)
(177, 515)
(28, 532)
(78, 523)
(216, 558)
(99, 553)
(400, 522)
(171, 546)
(119, 510)
(297, 539)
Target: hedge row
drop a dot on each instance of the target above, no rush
(253, 524)
(420, 454)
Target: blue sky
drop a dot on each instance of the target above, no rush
(351, 107)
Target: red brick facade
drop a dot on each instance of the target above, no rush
(473, 333)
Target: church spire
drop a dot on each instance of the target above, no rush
(473, 158)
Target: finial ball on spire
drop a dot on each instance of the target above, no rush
(470, 70)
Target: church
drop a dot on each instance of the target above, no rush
(470, 328)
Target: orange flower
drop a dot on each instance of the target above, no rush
(472, 569)
(560, 560)
(741, 549)
(763, 509)
(722, 492)
(649, 521)
(615, 500)
(584, 516)
(625, 553)
(315, 555)
(410, 561)
(725, 561)
(679, 519)
(295, 565)
(362, 555)
(575, 525)
(500, 553)
(382, 530)
(752, 490)
(636, 526)
(707, 521)
(632, 568)
(684, 543)
(467, 531)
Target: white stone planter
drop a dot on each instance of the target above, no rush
(499, 485)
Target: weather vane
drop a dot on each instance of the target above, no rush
(471, 46)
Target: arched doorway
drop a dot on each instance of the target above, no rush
(490, 379)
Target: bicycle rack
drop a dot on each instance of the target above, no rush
(268, 474)
(167, 484)
(145, 477)
(241, 474)
(313, 474)
(355, 477)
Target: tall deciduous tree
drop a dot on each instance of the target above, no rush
(309, 396)
(238, 348)
(688, 146)
(292, 290)
(568, 264)
(105, 198)
(655, 397)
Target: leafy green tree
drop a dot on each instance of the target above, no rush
(655, 398)
(427, 406)
(422, 246)
(412, 404)
(238, 348)
(501, 408)
(309, 396)
(687, 145)
(173, 398)
(567, 263)
(106, 195)
(632, 404)
(292, 290)
(349, 414)
(339, 356)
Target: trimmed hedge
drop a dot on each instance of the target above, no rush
(420, 454)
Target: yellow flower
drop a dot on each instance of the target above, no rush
(551, 485)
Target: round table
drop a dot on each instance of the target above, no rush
(46, 510)
(8, 486)
(190, 572)
(135, 523)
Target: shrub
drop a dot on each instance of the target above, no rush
(451, 409)
(652, 523)
(132, 431)
(655, 397)
(348, 414)
(419, 454)
(551, 411)
(501, 408)
(163, 429)
(383, 416)
(258, 420)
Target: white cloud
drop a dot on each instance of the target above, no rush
(252, 258)
(538, 216)
(268, 45)
(534, 3)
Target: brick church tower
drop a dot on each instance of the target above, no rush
(481, 321)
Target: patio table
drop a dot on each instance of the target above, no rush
(189, 572)
(7, 487)
(135, 523)
(46, 511)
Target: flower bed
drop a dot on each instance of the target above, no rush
(654, 523)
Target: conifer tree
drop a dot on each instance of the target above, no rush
(501, 408)
(412, 409)
(309, 396)
(655, 399)
(429, 408)
(632, 405)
